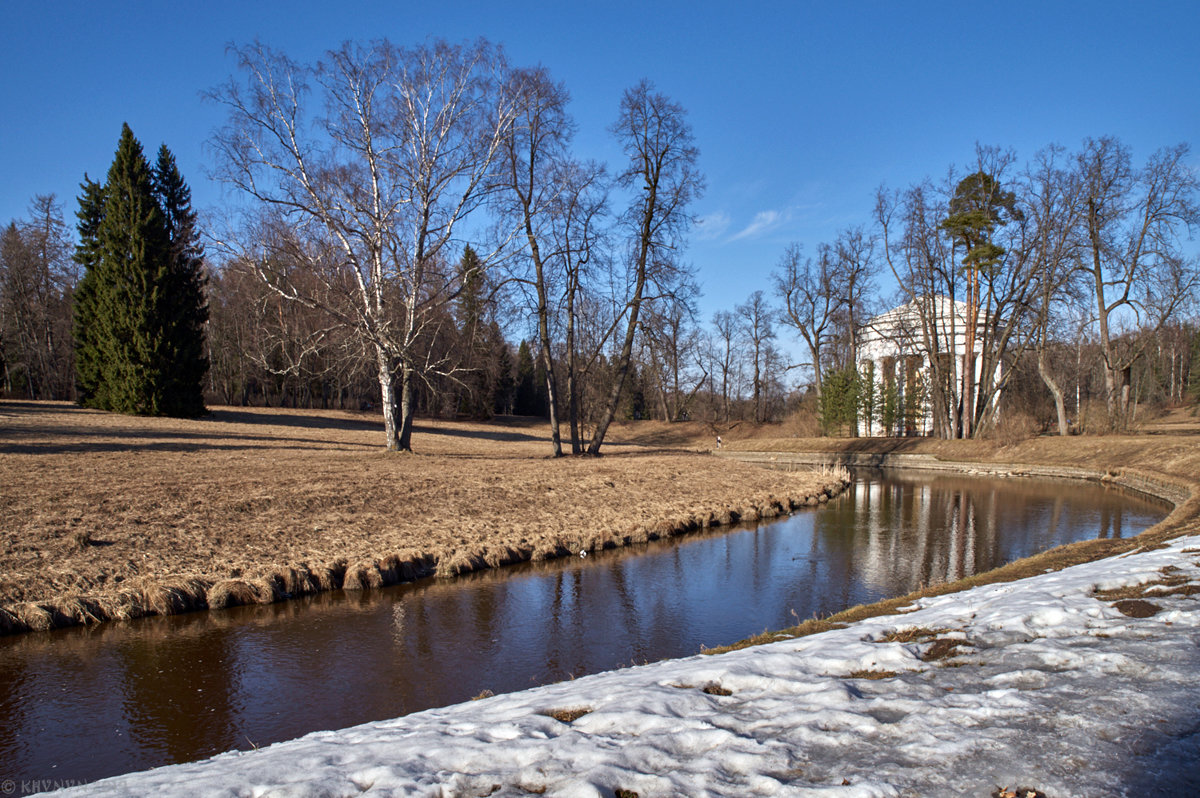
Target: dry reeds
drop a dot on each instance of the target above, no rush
(174, 597)
(567, 714)
(231, 593)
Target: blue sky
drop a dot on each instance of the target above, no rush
(800, 109)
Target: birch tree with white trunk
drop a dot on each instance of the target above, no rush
(368, 162)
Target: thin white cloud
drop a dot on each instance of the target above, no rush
(712, 225)
(763, 222)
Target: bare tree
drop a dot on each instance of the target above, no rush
(856, 266)
(581, 206)
(756, 321)
(921, 261)
(1138, 273)
(810, 300)
(662, 173)
(368, 161)
(825, 299)
(672, 341)
(1053, 207)
(725, 343)
(37, 279)
(532, 152)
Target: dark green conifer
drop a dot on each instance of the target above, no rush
(187, 308)
(525, 401)
(140, 309)
(476, 401)
(86, 326)
(504, 393)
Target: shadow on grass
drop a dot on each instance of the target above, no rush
(368, 423)
(78, 437)
(498, 435)
(176, 446)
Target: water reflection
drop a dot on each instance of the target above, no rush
(86, 703)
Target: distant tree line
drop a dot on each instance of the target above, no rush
(419, 238)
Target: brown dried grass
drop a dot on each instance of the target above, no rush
(915, 634)
(119, 517)
(869, 674)
(567, 714)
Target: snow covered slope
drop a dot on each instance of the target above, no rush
(1041, 684)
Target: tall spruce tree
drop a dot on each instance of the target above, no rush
(140, 310)
(187, 308)
(86, 326)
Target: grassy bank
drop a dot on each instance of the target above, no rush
(1166, 464)
(112, 516)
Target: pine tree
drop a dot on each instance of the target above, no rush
(140, 308)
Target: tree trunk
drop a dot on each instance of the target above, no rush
(572, 388)
(968, 376)
(407, 410)
(543, 313)
(551, 398)
(618, 385)
(1055, 391)
(387, 391)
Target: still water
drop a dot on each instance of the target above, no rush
(81, 704)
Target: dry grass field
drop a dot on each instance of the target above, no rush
(109, 516)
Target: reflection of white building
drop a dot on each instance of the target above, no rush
(896, 346)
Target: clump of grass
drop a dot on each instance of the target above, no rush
(915, 634)
(620, 793)
(1017, 792)
(231, 593)
(834, 473)
(463, 561)
(870, 674)
(712, 688)
(942, 648)
(567, 714)
(81, 610)
(81, 539)
(482, 695)
(173, 597)
(1169, 586)
(362, 576)
(1137, 608)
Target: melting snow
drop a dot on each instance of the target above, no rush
(1050, 689)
